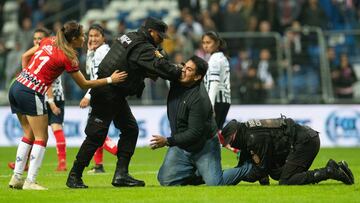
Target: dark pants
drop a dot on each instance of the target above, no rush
(295, 171)
(108, 106)
(221, 111)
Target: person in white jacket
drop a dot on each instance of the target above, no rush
(217, 78)
(97, 49)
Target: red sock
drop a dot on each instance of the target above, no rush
(110, 145)
(60, 146)
(98, 156)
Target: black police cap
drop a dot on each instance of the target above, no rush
(158, 25)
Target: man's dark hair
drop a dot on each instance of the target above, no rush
(201, 65)
(43, 30)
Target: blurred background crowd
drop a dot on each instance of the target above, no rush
(280, 51)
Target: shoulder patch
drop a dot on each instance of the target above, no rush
(124, 39)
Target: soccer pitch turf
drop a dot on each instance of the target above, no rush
(145, 164)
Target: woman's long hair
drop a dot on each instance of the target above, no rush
(65, 35)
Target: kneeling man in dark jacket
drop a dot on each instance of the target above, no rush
(282, 149)
(194, 149)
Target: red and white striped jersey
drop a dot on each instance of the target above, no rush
(47, 64)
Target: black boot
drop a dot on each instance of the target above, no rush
(331, 171)
(74, 181)
(122, 178)
(264, 180)
(343, 167)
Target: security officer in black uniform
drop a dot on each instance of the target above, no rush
(137, 54)
(282, 149)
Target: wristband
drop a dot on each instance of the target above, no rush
(50, 100)
(109, 80)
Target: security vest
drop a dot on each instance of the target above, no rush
(117, 59)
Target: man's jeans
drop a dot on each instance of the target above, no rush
(180, 165)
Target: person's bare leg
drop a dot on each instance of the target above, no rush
(39, 126)
(22, 153)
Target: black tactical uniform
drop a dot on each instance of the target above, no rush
(282, 149)
(134, 53)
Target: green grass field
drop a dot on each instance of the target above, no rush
(145, 164)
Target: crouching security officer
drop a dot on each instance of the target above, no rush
(282, 149)
(136, 53)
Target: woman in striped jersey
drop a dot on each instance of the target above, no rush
(97, 49)
(217, 78)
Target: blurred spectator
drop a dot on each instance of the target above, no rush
(240, 64)
(37, 8)
(216, 15)
(52, 6)
(305, 77)
(178, 58)
(25, 35)
(57, 25)
(266, 69)
(3, 53)
(190, 28)
(13, 62)
(233, 20)
(190, 32)
(2, 2)
(191, 6)
(343, 79)
(207, 22)
(266, 39)
(173, 43)
(265, 10)
(246, 9)
(251, 90)
(121, 28)
(108, 34)
(288, 11)
(331, 57)
(313, 15)
(252, 24)
(24, 11)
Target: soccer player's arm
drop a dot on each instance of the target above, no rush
(214, 80)
(50, 101)
(25, 58)
(81, 81)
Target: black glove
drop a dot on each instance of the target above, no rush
(163, 53)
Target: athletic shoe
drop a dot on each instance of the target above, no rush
(32, 186)
(16, 183)
(11, 165)
(98, 168)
